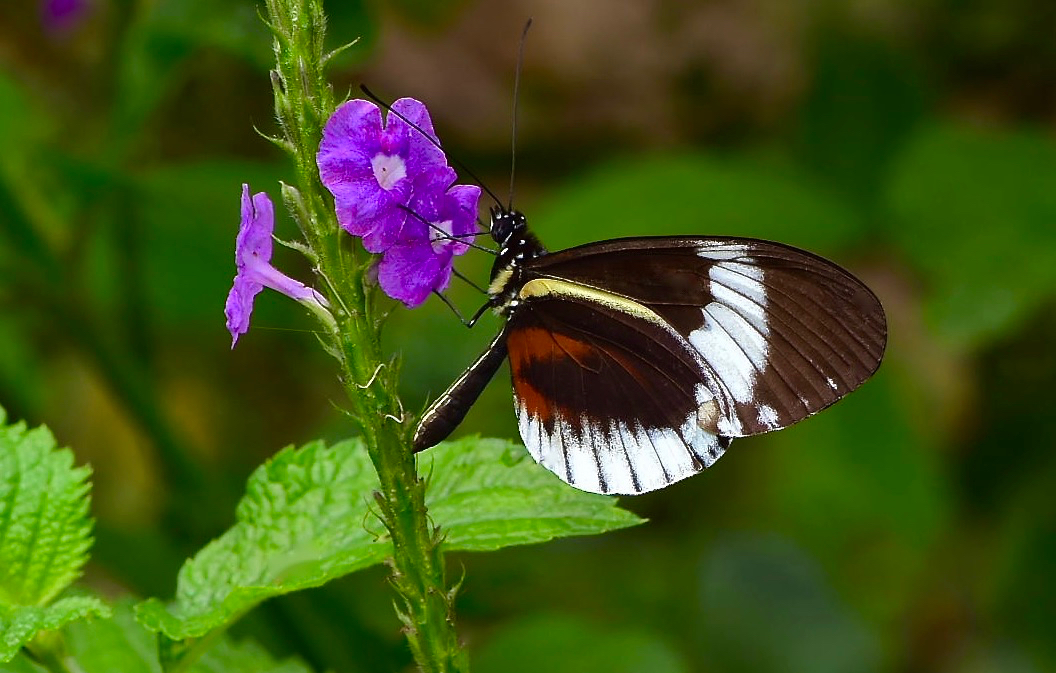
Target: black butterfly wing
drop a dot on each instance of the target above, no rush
(783, 333)
(608, 396)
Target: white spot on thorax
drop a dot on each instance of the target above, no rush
(388, 170)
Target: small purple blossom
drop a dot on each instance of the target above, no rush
(442, 225)
(370, 167)
(253, 248)
(62, 16)
(392, 187)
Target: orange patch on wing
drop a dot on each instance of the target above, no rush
(537, 344)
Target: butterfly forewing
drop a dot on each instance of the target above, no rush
(608, 396)
(782, 333)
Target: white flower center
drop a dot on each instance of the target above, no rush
(439, 234)
(388, 170)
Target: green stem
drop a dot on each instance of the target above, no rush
(303, 103)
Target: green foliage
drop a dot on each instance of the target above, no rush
(747, 581)
(45, 530)
(974, 209)
(561, 644)
(22, 623)
(306, 519)
(118, 644)
(697, 194)
(486, 494)
(182, 264)
(45, 533)
(301, 523)
(909, 527)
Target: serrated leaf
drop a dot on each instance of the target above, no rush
(300, 524)
(45, 530)
(485, 494)
(304, 521)
(20, 624)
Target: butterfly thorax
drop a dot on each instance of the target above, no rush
(516, 245)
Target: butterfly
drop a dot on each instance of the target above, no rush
(636, 361)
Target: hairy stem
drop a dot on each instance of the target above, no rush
(303, 103)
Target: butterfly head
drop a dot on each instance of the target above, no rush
(509, 228)
(506, 224)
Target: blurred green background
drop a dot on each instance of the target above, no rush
(910, 528)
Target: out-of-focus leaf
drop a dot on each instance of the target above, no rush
(484, 494)
(121, 644)
(190, 219)
(300, 524)
(560, 644)
(1022, 595)
(244, 657)
(21, 664)
(974, 210)
(20, 624)
(860, 489)
(695, 194)
(348, 21)
(767, 607)
(864, 100)
(161, 37)
(45, 530)
(115, 644)
(20, 124)
(234, 26)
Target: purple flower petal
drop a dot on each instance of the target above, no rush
(422, 259)
(370, 168)
(410, 272)
(254, 232)
(253, 248)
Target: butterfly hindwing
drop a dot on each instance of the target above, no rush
(783, 333)
(607, 395)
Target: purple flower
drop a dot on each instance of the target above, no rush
(371, 168)
(442, 225)
(255, 272)
(60, 16)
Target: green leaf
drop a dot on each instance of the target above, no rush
(244, 657)
(485, 494)
(45, 530)
(21, 624)
(21, 664)
(305, 517)
(561, 643)
(974, 210)
(121, 644)
(767, 607)
(300, 524)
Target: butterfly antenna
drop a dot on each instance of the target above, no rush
(516, 97)
(436, 143)
(446, 236)
(467, 281)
